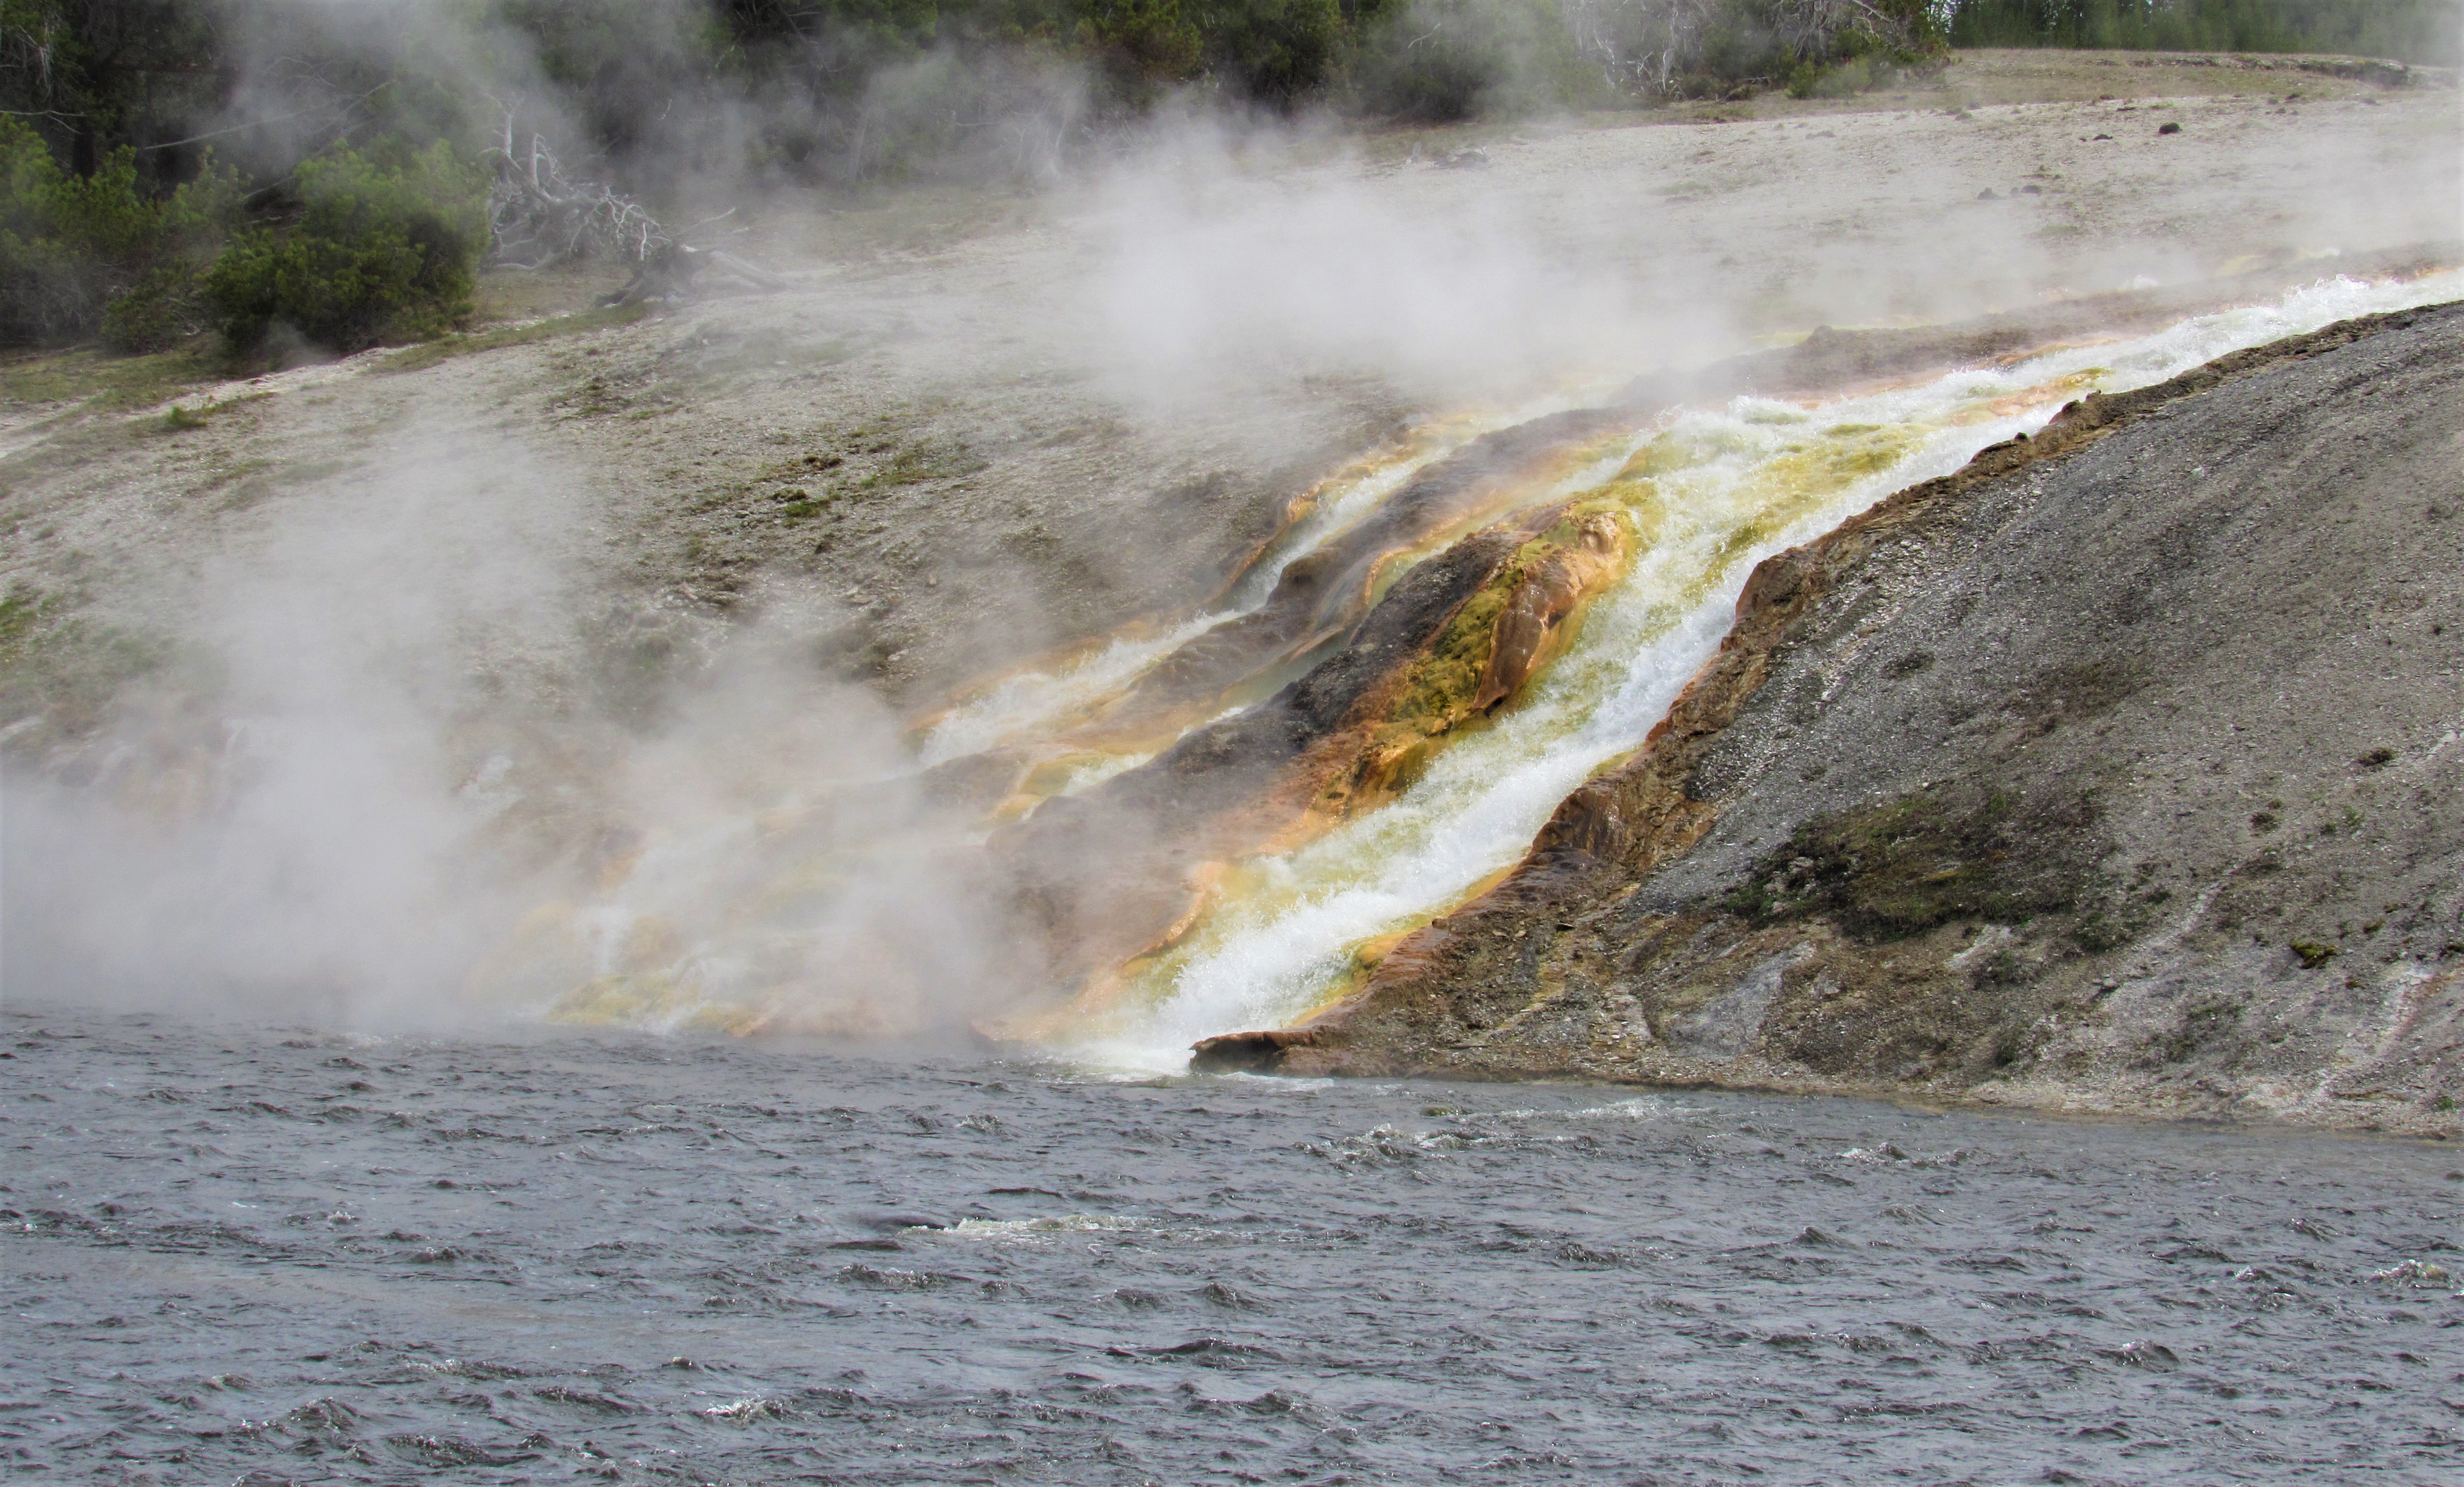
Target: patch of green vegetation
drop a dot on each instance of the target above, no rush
(20, 611)
(596, 397)
(2312, 953)
(74, 435)
(255, 480)
(2202, 1023)
(925, 460)
(804, 466)
(183, 419)
(57, 664)
(2075, 691)
(1905, 865)
(2101, 929)
(243, 471)
(796, 503)
(2421, 31)
(1845, 78)
(102, 381)
(429, 354)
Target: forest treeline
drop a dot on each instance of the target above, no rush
(2409, 31)
(838, 86)
(324, 168)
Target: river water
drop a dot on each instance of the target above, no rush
(241, 1254)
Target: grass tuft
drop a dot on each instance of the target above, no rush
(427, 354)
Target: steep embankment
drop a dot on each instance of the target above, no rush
(2118, 770)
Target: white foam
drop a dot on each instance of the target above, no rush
(1061, 1226)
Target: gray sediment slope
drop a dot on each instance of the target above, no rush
(2122, 771)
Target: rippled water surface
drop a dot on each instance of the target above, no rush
(232, 1250)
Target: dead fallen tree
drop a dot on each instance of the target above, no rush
(539, 217)
(676, 272)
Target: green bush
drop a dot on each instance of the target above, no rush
(1142, 40)
(383, 248)
(1276, 50)
(97, 254)
(1860, 73)
(1443, 61)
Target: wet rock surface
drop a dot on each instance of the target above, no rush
(2118, 770)
(1321, 597)
(1108, 875)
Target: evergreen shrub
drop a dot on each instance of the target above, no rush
(384, 246)
(98, 254)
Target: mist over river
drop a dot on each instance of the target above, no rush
(236, 1253)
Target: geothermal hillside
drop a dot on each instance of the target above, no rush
(1946, 592)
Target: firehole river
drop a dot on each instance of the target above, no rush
(240, 1255)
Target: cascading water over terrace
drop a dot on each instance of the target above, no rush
(1302, 904)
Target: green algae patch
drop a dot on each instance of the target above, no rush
(1442, 684)
(2312, 953)
(62, 667)
(1441, 694)
(1908, 864)
(1846, 453)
